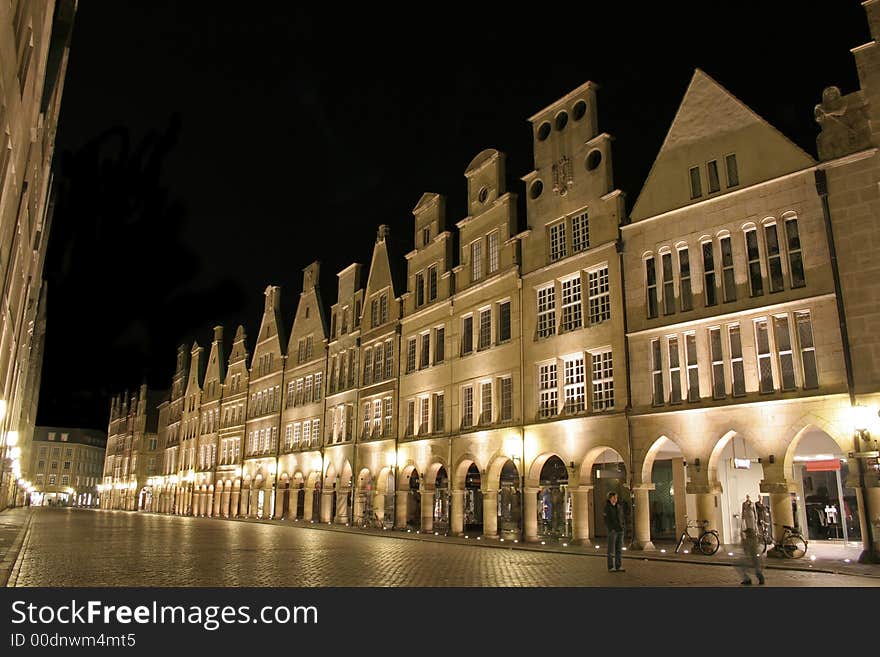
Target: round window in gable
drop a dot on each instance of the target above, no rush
(484, 194)
(579, 109)
(594, 158)
(544, 131)
(561, 120)
(536, 189)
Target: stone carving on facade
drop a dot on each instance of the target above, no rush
(844, 123)
(563, 177)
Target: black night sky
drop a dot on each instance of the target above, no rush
(206, 150)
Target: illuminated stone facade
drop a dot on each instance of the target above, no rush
(34, 40)
(684, 356)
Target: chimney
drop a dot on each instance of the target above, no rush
(218, 334)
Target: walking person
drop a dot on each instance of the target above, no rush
(751, 558)
(615, 524)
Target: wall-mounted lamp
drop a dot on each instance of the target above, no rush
(697, 463)
(772, 458)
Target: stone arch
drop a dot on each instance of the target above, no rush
(382, 481)
(799, 429)
(648, 460)
(718, 448)
(431, 472)
(493, 475)
(329, 476)
(533, 478)
(406, 472)
(460, 471)
(585, 472)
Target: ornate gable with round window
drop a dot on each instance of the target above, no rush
(579, 109)
(536, 189)
(544, 131)
(594, 159)
(561, 120)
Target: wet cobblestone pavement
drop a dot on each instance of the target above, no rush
(70, 547)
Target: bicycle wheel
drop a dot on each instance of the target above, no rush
(680, 541)
(794, 546)
(709, 543)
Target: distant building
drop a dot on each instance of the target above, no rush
(66, 466)
(34, 41)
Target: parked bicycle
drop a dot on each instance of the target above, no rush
(706, 541)
(793, 544)
(372, 521)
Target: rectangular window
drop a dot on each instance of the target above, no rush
(732, 172)
(696, 185)
(783, 347)
(298, 400)
(674, 371)
(423, 415)
(668, 286)
(795, 260)
(549, 392)
(709, 274)
(712, 171)
(383, 308)
(420, 289)
(486, 403)
(425, 353)
(476, 260)
(307, 432)
(386, 406)
(410, 417)
(756, 282)
(410, 355)
(368, 366)
(316, 432)
(737, 370)
(307, 393)
(693, 372)
(319, 380)
(557, 241)
(808, 349)
(439, 344)
(574, 386)
(493, 252)
(657, 373)
(599, 295)
(432, 282)
(546, 311)
(377, 363)
(718, 387)
(727, 276)
(651, 279)
(603, 381)
(467, 335)
(288, 439)
(684, 284)
(506, 384)
(485, 336)
(580, 232)
(774, 257)
(467, 407)
(389, 357)
(377, 417)
(368, 414)
(504, 321)
(572, 313)
(762, 343)
(439, 412)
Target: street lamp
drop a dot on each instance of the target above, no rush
(863, 418)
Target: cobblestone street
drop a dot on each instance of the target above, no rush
(68, 547)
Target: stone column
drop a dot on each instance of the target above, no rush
(223, 509)
(308, 504)
(327, 506)
(456, 517)
(231, 503)
(427, 510)
(279, 504)
(400, 511)
(530, 515)
(490, 513)
(218, 495)
(707, 506)
(679, 488)
(342, 515)
(255, 503)
(642, 519)
(580, 514)
(871, 524)
(780, 505)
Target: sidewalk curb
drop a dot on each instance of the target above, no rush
(574, 550)
(11, 563)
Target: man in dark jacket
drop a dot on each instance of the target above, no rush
(614, 523)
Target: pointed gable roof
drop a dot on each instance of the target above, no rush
(710, 124)
(216, 358)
